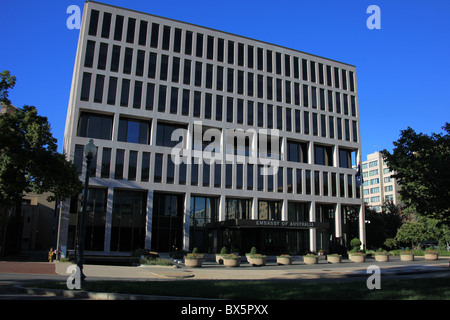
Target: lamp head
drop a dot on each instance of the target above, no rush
(90, 150)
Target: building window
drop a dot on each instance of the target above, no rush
(145, 168)
(132, 165)
(323, 155)
(118, 171)
(106, 163)
(238, 209)
(85, 87)
(158, 167)
(164, 133)
(298, 211)
(297, 151)
(128, 226)
(134, 131)
(269, 210)
(118, 29)
(96, 126)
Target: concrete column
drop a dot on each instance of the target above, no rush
(148, 224)
(108, 220)
(186, 220)
(312, 231)
(338, 221)
(362, 227)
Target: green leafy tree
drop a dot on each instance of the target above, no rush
(29, 162)
(7, 81)
(422, 167)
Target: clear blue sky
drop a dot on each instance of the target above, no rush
(403, 69)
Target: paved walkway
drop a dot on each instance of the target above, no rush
(212, 271)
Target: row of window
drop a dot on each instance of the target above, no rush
(377, 190)
(229, 80)
(389, 197)
(228, 51)
(240, 176)
(229, 109)
(100, 126)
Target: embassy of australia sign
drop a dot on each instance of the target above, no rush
(244, 223)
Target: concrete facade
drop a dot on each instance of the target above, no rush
(139, 77)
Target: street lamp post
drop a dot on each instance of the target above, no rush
(90, 151)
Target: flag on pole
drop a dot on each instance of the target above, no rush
(359, 178)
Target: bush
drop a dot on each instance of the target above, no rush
(355, 243)
(224, 250)
(253, 251)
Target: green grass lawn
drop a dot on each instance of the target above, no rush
(409, 289)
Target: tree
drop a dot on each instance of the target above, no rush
(6, 82)
(29, 162)
(422, 167)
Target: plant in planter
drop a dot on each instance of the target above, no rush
(284, 259)
(255, 258)
(407, 255)
(194, 259)
(231, 260)
(381, 255)
(356, 256)
(219, 256)
(431, 254)
(310, 258)
(334, 258)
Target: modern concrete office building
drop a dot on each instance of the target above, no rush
(379, 186)
(262, 155)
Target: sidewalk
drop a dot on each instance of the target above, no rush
(298, 271)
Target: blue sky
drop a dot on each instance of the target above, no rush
(403, 69)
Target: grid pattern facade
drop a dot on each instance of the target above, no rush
(379, 186)
(139, 77)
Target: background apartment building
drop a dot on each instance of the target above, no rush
(379, 186)
(138, 78)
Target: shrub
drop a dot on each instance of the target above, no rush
(224, 250)
(355, 243)
(253, 251)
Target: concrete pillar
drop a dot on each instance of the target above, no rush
(108, 220)
(312, 231)
(148, 225)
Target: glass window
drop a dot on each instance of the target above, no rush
(238, 209)
(182, 172)
(145, 168)
(197, 103)
(106, 163)
(154, 35)
(150, 96)
(143, 33)
(206, 174)
(115, 59)
(269, 210)
(239, 175)
(158, 167)
(323, 155)
(170, 176)
(250, 113)
(305, 69)
(128, 60)
(230, 52)
(269, 60)
(240, 54)
(199, 48)
(185, 102)
(280, 180)
(130, 30)
(220, 49)
(137, 97)
(140, 63)
(118, 172)
(164, 134)
(93, 23)
(297, 151)
(229, 175)
(198, 74)
(162, 99)
(187, 72)
(177, 41)
(217, 175)
(118, 28)
(96, 126)
(125, 94)
(89, 57)
(78, 157)
(210, 48)
(229, 109)
(166, 38)
(249, 176)
(174, 100)
(132, 165)
(194, 172)
(298, 211)
(106, 24)
(134, 131)
(298, 177)
(99, 83)
(308, 181)
(85, 86)
(188, 43)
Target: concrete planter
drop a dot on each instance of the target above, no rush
(431, 256)
(219, 258)
(257, 260)
(382, 257)
(193, 262)
(232, 262)
(284, 260)
(407, 257)
(310, 259)
(334, 259)
(357, 258)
